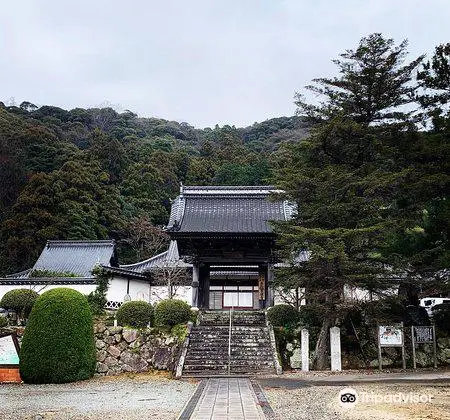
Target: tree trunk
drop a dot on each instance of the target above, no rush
(320, 361)
(169, 288)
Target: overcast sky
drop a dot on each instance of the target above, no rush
(199, 61)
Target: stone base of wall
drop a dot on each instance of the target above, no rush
(392, 356)
(10, 375)
(122, 350)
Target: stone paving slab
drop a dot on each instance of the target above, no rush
(228, 399)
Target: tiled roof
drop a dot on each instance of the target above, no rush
(227, 210)
(76, 257)
(168, 257)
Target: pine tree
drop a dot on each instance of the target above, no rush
(344, 179)
(372, 86)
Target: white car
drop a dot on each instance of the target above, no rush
(429, 302)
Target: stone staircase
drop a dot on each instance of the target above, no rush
(251, 350)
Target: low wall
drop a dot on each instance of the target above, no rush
(353, 359)
(10, 374)
(128, 350)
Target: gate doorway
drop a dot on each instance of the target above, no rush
(242, 297)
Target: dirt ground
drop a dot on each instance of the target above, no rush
(304, 400)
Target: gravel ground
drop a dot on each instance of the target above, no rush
(119, 397)
(313, 402)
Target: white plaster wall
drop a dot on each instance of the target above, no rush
(180, 292)
(289, 296)
(41, 288)
(359, 294)
(138, 290)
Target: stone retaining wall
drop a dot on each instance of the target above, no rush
(391, 355)
(128, 350)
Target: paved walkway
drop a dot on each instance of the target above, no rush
(228, 399)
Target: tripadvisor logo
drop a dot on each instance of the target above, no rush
(348, 397)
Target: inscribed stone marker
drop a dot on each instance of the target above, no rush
(335, 344)
(305, 350)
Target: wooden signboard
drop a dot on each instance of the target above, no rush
(391, 336)
(262, 286)
(423, 335)
(9, 351)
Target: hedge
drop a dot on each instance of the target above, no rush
(172, 312)
(20, 301)
(58, 343)
(3, 321)
(283, 315)
(137, 314)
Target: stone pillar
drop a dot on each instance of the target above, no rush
(195, 284)
(305, 349)
(335, 347)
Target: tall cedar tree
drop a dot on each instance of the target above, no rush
(434, 78)
(343, 180)
(372, 86)
(424, 244)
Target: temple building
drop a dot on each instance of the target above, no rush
(221, 254)
(227, 236)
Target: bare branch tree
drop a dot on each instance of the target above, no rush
(144, 238)
(172, 274)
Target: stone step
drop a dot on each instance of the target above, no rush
(214, 344)
(223, 328)
(233, 336)
(224, 362)
(226, 338)
(250, 333)
(233, 371)
(259, 357)
(251, 351)
(221, 364)
(238, 318)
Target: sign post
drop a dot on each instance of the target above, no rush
(423, 335)
(390, 336)
(9, 358)
(434, 347)
(9, 351)
(413, 347)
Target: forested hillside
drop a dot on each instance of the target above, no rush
(96, 173)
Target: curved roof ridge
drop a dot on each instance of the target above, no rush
(144, 262)
(230, 190)
(78, 242)
(20, 275)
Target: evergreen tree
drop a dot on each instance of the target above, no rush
(373, 84)
(344, 179)
(434, 78)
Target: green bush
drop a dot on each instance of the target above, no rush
(137, 314)
(58, 343)
(172, 312)
(3, 321)
(180, 331)
(283, 316)
(20, 301)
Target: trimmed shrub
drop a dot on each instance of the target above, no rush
(58, 343)
(283, 316)
(3, 321)
(172, 312)
(137, 314)
(20, 301)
